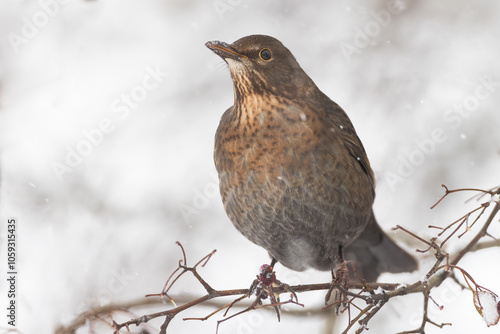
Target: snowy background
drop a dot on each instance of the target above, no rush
(108, 111)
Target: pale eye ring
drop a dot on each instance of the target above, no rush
(265, 54)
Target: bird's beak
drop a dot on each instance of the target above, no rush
(224, 50)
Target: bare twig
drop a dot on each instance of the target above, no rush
(478, 236)
(374, 295)
(485, 245)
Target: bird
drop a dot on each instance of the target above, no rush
(294, 176)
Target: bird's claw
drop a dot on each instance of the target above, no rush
(264, 285)
(340, 283)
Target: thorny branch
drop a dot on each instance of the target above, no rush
(373, 295)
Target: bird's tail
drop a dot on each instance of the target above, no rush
(373, 253)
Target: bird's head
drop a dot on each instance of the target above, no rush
(262, 65)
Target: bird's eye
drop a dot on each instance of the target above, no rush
(265, 54)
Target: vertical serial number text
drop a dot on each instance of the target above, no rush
(11, 271)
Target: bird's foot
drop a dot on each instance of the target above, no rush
(340, 284)
(265, 278)
(265, 283)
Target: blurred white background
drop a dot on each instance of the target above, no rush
(108, 111)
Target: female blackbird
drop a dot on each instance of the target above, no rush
(294, 176)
